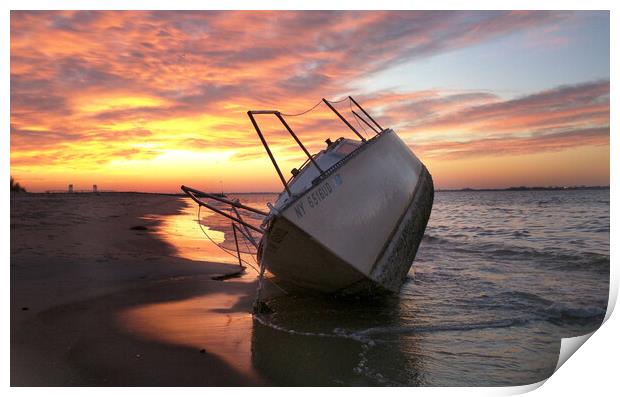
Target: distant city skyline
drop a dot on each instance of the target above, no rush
(147, 101)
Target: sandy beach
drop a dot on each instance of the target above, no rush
(117, 290)
(84, 293)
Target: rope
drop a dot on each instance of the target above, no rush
(313, 107)
(261, 276)
(261, 267)
(229, 252)
(342, 100)
(249, 250)
(302, 113)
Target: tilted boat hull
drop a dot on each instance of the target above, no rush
(359, 227)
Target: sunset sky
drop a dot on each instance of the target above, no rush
(147, 101)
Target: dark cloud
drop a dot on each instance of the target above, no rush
(24, 103)
(304, 82)
(517, 145)
(566, 102)
(37, 139)
(207, 93)
(39, 95)
(74, 21)
(76, 73)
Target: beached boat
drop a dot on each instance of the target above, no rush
(349, 220)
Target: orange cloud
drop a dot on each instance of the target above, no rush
(154, 99)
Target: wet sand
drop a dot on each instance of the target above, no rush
(94, 302)
(108, 305)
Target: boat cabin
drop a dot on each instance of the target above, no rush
(302, 177)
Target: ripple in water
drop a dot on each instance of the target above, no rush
(499, 278)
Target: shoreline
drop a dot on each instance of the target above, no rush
(464, 189)
(112, 306)
(68, 293)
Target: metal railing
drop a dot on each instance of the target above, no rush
(194, 193)
(252, 113)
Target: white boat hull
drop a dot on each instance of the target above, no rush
(359, 227)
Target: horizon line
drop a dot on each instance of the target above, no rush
(463, 189)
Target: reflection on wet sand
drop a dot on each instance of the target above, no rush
(183, 233)
(218, 323)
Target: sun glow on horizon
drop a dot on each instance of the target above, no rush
(152, 100)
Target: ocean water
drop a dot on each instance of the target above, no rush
(500, 277)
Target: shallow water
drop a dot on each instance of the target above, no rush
(499, 278)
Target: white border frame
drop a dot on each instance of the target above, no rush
(593, 371)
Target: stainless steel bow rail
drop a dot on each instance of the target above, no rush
(251, 114)
(367, 115)
(194, 193)
(279, 115)
(244, 231)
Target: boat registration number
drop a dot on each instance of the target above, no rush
(314, 199)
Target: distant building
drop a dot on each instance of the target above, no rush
(70, 189)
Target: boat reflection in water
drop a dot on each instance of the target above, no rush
(319, 341)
